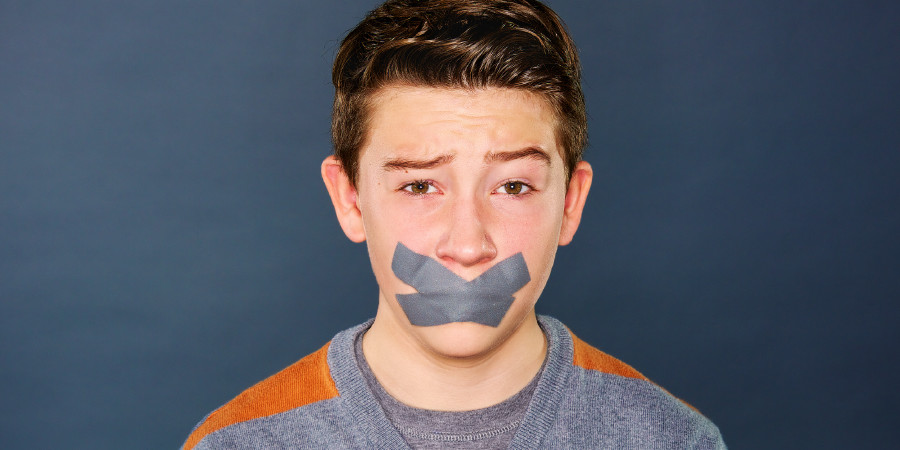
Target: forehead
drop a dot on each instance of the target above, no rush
(439, 120)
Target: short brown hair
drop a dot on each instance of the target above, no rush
(519, 44)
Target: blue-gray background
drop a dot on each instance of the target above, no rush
(166, 241)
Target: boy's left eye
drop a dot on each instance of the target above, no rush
(513, 188)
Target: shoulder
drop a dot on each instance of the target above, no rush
(305, 382)
(625, 407)
(590, 358)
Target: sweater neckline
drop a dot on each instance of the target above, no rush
(501, 419)
(378, 430)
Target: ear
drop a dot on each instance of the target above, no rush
(343, 196)
(576, 195)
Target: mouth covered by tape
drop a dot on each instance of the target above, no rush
(444, 297)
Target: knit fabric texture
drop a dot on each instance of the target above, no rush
(423, 429)
(584, 399)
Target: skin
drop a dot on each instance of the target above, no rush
(469, 178)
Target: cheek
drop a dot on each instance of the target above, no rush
(392, 222)
(412, 222)
(534, 231)
(528, 224)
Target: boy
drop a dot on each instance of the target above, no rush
(458, 129)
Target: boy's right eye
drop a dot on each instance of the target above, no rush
(420, 187)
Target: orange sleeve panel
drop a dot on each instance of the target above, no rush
(588, 357)
(304, 382)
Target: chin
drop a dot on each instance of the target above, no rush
(461, 339)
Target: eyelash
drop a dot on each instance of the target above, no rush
(407, 188)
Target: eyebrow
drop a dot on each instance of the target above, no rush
(404, 163)
(525, 153)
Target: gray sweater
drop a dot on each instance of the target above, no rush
(584, 399)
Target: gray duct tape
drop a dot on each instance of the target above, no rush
(445, 297)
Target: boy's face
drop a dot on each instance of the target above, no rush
(468, 178)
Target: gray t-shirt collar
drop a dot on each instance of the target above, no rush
(491, 427)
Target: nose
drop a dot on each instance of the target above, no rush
(466, 240)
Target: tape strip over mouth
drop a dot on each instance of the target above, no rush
(444, 297)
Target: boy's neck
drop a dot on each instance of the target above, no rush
(422, 378)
